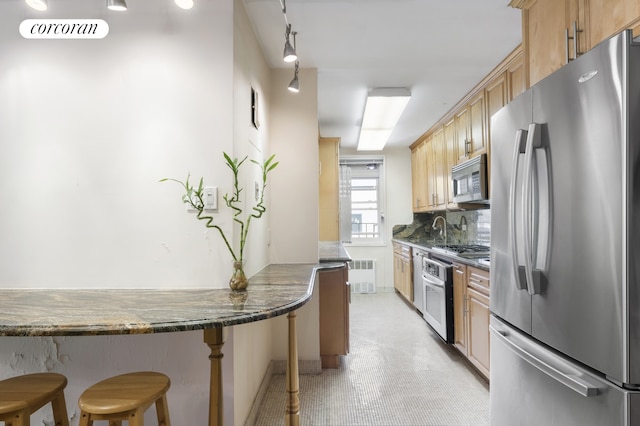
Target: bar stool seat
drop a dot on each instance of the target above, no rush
(126, 397)
(21, 396)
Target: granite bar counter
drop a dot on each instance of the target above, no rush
(275, 290)
(332, 251)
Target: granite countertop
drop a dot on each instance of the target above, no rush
(428, 247)
(332, 251)
(275, 290)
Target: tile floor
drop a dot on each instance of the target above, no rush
(398, 373)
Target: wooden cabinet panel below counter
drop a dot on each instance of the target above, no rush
(334, 298)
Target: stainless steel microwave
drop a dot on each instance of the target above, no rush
(470, 181)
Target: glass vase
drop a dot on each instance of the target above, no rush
(238, 281)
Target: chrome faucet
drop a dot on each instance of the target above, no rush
(443, 227)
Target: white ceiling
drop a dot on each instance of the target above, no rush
(439, 49)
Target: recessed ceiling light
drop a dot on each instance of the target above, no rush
(184, 4)
(40, 5)
(117, 5)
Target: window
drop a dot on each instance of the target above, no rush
(361, 195)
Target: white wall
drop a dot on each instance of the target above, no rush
(294, 213)
(252, 342)
(86, 130)
(397, 211)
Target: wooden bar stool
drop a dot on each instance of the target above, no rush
(23, 395)
(126, 397)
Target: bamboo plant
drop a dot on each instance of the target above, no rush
(194, 197)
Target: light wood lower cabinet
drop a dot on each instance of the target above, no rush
(478, 319)
(402, 274)
(460, 307)
(334, 298)
(471, 315)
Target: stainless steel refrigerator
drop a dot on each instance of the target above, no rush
(565, 245)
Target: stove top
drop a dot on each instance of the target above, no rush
(463, 250)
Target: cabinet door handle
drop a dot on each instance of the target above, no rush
(566, 45)
(574, 38)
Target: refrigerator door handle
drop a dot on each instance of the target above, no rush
(532, 275)
(570, 379)
(519, 148)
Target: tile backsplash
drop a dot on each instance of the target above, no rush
(462, 227)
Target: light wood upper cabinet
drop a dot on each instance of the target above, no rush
(419, 185)
(470, 128)
(477, 128)
(461, 121)
(328, 189)
(449, 134)
(608, 17)
(438, 174)
(429, 173)
(546, 24)
(496, 95)
(516, 78)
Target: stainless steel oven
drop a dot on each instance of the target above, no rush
(437, 296)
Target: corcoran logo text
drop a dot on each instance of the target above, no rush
(64, 28)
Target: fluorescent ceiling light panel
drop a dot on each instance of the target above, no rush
(381, 114)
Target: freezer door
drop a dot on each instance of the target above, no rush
(579, 116)
(531, 385)
(509, 131)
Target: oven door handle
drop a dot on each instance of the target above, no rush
(432, 283)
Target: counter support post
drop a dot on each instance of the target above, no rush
(293, 382)
(214, 338)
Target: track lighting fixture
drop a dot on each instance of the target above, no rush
(289, 54)
(294, 86)
(40, 5)
(118, 5)
(184, 4)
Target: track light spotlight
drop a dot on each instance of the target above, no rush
(294, 86)
(289, 54)
(184, 4)
(40, 5)
(118, 5)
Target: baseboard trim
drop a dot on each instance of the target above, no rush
(309, 366)
(262, 390)
(278, 367)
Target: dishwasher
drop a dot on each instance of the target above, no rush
(418, 287)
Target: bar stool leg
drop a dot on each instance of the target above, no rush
(59, 406)
(21, 418)
(136, 418)
(162, 410)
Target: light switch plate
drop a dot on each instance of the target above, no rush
(210, 197)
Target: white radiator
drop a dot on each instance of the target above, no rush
(362, 275)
